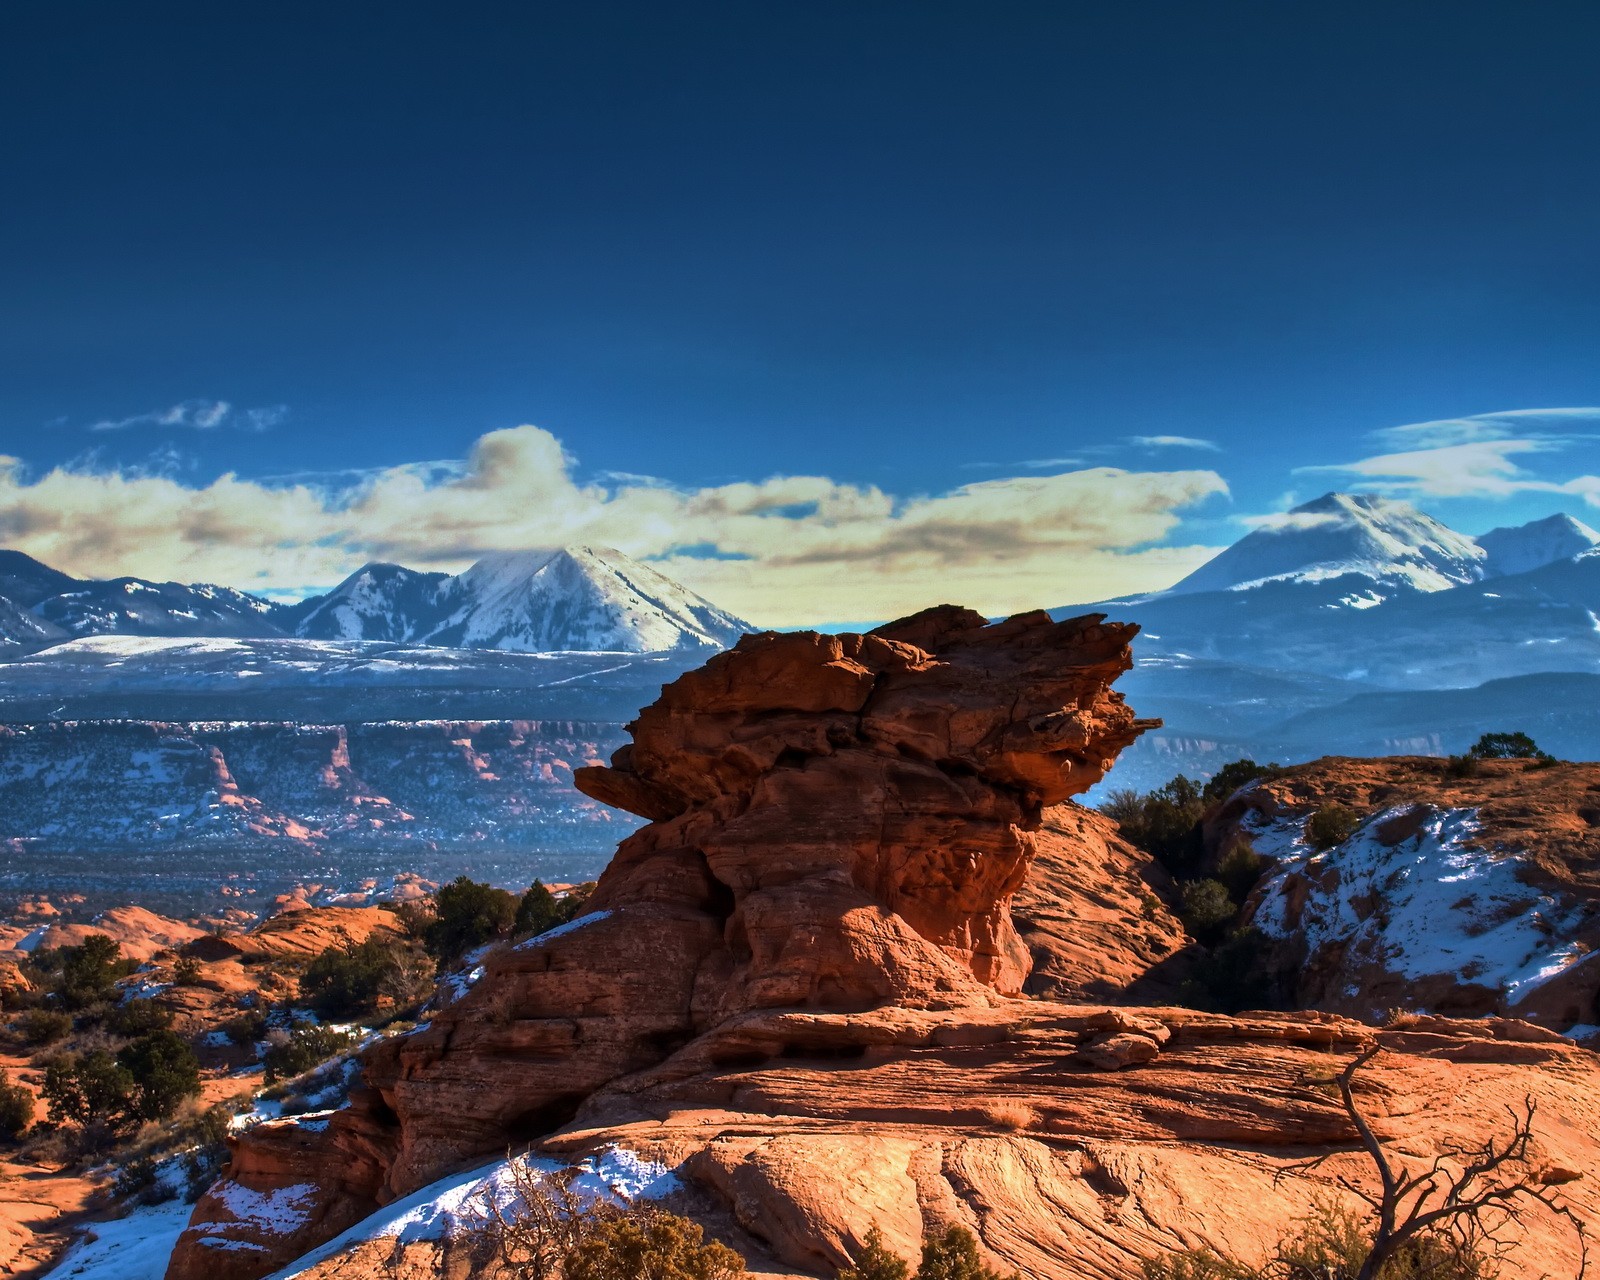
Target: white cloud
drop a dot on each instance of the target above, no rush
(1175, 442)
(200, 415)
(1481, 456)
(786, 551)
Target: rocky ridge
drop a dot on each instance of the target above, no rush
(801, 988)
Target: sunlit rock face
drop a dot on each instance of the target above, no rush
(838, 823)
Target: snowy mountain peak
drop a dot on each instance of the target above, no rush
(551, 599)
(577, 598)
(1388, 542)
(1524, 548)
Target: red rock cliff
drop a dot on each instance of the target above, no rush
(838, 823)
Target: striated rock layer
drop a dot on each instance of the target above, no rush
(839, 824)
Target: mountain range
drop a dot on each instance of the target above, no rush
(568, 599)
(1358, 624)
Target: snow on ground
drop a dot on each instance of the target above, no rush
(549, 935)
(460, 1202)
(1431, 904)
(136, 1247)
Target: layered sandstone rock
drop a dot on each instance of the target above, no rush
(838, 823)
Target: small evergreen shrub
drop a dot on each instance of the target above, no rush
(1207, 909)
(16, 1108)
(650, 1244)
(1165, 823)
(1330, 825)
(875, 1262)
(44, 1026)
(1236, 774)
(186, 971)
(952, 1254)
(296, 1052)
(347, 981)
(468, 914)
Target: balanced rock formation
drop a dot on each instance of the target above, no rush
(838, 824)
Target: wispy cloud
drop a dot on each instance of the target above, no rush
(1481, 456)
(1175, 442)
(787, 550)
(200, 415)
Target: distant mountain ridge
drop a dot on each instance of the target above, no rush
(554, 600)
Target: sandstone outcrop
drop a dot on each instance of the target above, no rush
(838, 823)
(801, 988)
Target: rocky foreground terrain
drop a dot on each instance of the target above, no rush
(867, 965)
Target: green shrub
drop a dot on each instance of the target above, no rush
(1240, 868)
(466, 915)
(346, 981)
(87, 1088)
(541, 910)
(186, 971)
(89, 972)
(1244, 971)
(649, 1244)
(298, 1051)
(44, 1026)
(246, 1027)
(952, 1254)
(138, 1017)
(1461, 767)
(1236, 774)
(1197, 1264)
(1330, 825)
(16, 1107)
(1331, 1243)
(164, 1071)
(1506, 746)
(1165, 823)
(139, 1180)
(875, 1262)
(1207, 909)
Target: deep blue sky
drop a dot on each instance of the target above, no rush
(881, 242)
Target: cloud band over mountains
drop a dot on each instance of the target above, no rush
(786, 551)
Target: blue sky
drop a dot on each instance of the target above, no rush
(819, 304)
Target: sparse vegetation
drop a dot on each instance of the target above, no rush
(16, 1108)
(348, 981)
(875, 1262)
(549, 1230)
(293, 1053)
(468, 914)
(950, 1253)
(1498, 746)
(1165, 823)
(541, 910)
(1236, 774)
(186, 971)
(1446, 1219)
(144, 1080)
(44, 1026)
(649, 1244)
(1330, 825)
(84, 975)
(1207, 910)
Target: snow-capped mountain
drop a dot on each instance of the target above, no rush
(584, 598)
(1531, 546)
(25, 582)
(572, 598)
(133, 606)
(1388, 543)
(376, 602)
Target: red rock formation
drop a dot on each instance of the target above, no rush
(839, 823)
